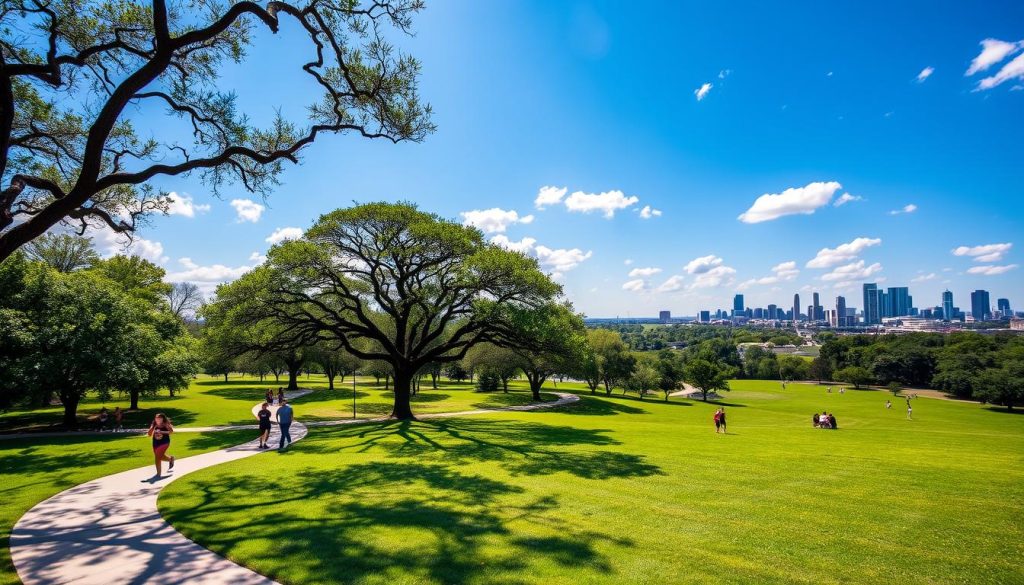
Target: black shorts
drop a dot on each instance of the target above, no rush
(264, 427)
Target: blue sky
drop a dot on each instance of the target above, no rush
(807, 102)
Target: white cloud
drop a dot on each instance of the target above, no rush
(925, 74)
(206, 277)
(627, 261)
(674, 283)
(549, 196)
(556, 260)
(990, 270)
(493, 220)
(717, 276)
(724, 73)
(846, 198)
(635, 285)
(852, 272)
(702, 264)
(798, 200)
(247, 210)
(702, 91)
(908, 208)
(110, 243)
(607, 203)
(842, 253)
(924, 277)
(182, 204)
(648, 212)
(644, 272)
(1012, 70)
(782, 272)
(984, 253)
(282, 234)
(992, 52)
(257, 258)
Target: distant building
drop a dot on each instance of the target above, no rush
(758, 313)
(737, 305)
(981, 306)
(947, 306)
(772, 312)
(840, 312)
(704, 317)
(665, 316)
(1003, 306)
(872, 316)
(898, 301)
(1017, 324)
(819, 311)
(796, 307)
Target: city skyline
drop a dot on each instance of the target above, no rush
(815, 163)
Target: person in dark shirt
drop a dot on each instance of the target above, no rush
(160, 429)
(264, 416)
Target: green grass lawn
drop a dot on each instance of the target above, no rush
(615, 490)
(210, 401)
(34, 469)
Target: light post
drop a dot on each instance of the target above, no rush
(354, 394)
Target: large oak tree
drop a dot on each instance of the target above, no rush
(392, 283)
(79, 77)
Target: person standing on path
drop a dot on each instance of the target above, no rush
(160, 429)
(269, 396)
(284, 420)
(264, 416)
(280, 396)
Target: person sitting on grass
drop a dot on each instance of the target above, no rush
(832, 422)
(816, 419)
(823, 421)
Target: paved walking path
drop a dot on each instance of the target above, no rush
(109, 531)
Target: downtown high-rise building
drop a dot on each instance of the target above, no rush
(872, 316)
(796, 307)
(897, 301)
(981, 306)
(738, 309)
(841, 311)
(819, 312)
(1003, 306)
(773, 312)
(947, 305)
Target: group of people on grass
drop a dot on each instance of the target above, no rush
(825, 420)
(720, 420)
(107, 421)
(161, 429)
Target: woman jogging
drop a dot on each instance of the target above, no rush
(160, 429)
(264, 416)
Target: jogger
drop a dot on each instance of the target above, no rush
(160, 429)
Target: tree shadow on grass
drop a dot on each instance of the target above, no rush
(1004, 410)
(430, 523)
(249, 393)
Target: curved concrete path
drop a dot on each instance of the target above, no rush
(109, 531)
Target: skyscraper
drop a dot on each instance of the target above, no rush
(737, 306)
(796, 307)
(871, 313)
(773, 312)
(898, 299)
(819, 312)
(665, 316)
(981, 306)
(1004, 307)
(840, 311)
(947, 305)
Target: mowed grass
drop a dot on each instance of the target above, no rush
(615, 490)
(34, 469)
(210, 401)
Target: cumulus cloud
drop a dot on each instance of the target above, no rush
(717, 276)
(984, 253)
(607, 203)
(924, 277)
(555, 260)
(627, 261)
(636, 285)
(780, 272)
(793, 201)
(908, 208)
(990, 270)
(846, 198)
(257, 258)
(925, 74)
(643, 272)
(1014, 70)
(110, 243)
(547, 196)
(282, 234)
(702, 264)
(648, 212)
(247, 210)
(493, 220)
(182, 204)
(852, 272)
(702, 91)
(842, 253)
(672, 284)
(206, 277)
(992, 51)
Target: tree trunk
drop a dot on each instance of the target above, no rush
(294, 369)
(402, 409)
(225, 376)
(330, 382)
(70, 402)
(433, 379)
(536, 380)
(277, 376)
(387, 381)
(134, 397)
(607, 387)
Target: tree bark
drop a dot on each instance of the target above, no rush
(225, 376)
(134, 397)
(536, 382)
(402, 409)
(70, 402)
(294, 369)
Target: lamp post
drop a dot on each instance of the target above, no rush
(354, 394)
